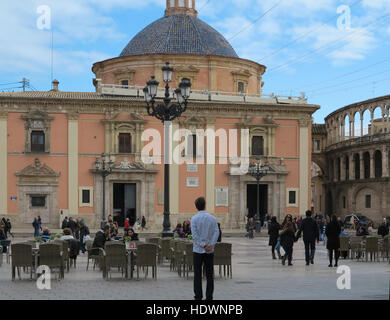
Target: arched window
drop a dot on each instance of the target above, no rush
(356, 160)
(378, 164)
(366, 159)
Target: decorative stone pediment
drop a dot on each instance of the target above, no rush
(125, 74)
(193, 121)
(37, 170)
(241, 73)
(247, 122)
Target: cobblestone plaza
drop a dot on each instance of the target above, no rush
(255, 277)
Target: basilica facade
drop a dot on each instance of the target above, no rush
(49, 141)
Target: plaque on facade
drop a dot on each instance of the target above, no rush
(193, 182)
(192, 167)
(221, 197)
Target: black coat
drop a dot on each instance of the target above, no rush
(310, 230)
(65, 224)
(287, 238)
(84, 231)
(273, 232)
(99, 241)
(333, 231)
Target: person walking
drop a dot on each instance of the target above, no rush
(273, 232)
(9, 227)
(310, 236)
(65, 223)
(143, 223)
(383, 231)
(36, 227)
(205, 234)
(287, 238)
(84, 232)
(251, 228)
(333, 231)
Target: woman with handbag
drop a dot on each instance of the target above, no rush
(287, 238)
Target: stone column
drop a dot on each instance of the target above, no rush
(385, 162)
(351, 168)
(3, 163)
(342, 168)
(372, 165)
(361, 165)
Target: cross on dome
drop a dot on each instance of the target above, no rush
(181, 7)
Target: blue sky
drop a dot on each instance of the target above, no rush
(307, 45)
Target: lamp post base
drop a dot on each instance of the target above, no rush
(167, 234)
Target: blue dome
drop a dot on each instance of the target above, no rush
(179, 34)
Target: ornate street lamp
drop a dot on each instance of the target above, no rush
(104, 168)
(259, 170)
(166, 112)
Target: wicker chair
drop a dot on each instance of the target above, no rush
(7, 244)
(172, 259)
(385, 248)
(146, 256)
(156, 241)
(179, 256)
(97, 258)
(165, 248)
(223, 258)
(22, 257)
(372, 248)
(115, 256)
(356, 247)
(51, 255)
(344, 245)
(188, 257)
(65, 252)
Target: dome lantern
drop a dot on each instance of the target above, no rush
(181, 7)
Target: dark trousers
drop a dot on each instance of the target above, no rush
(288, 253)
(310, 249)
(207, 260)
(336, 255)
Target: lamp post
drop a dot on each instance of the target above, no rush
(167, 112)
(258, 170)
(104, 168)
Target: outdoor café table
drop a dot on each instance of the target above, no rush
(130, 252)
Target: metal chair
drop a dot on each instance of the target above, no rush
(372, 248)
(179, 256)
(6, 244)
(51, 255)
(146, 256)
(115, 256)
(223, 258)
(22, 257)
(95, 254)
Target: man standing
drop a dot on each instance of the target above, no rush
(310, 231)
(205, 232)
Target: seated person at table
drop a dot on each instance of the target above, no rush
(67, 234)
(131, 234)
(100, 239)
(45, 236)
(179, 231)
(361, 232)
(2, 237)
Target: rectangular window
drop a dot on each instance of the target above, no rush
(37, 141)
(368, 201)
(241, 87)
(86, 196)
(292, 197)
(124, 143)
(38, 201)
(193, 182)
(257, 146)
(125, 84)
